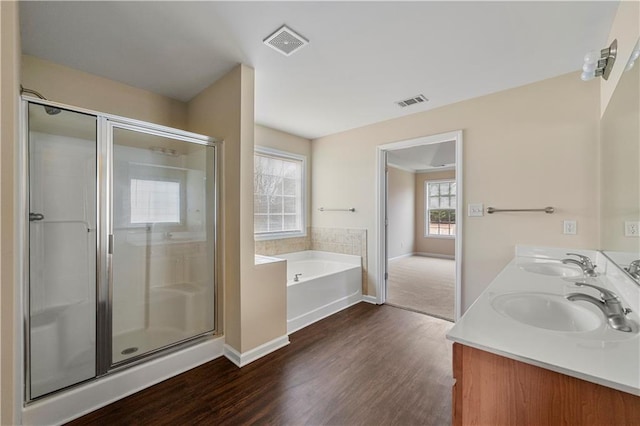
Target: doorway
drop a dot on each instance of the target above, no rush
(420, 230)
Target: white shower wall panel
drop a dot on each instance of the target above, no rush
(129, 295)
(63, 244)
(167, 264)
(68, 264)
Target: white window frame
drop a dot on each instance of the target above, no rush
(136, 171)
(180, 202)
(303, 195)
(427, 210)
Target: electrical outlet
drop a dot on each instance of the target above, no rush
(570, 227)
(476, 210)
(631, 229)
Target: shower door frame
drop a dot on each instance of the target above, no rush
(105, 123)
(105, 362)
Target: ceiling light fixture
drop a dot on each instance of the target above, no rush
(599, 64)
(285, 41)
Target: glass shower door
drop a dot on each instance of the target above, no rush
(62, 248)
(162, 262)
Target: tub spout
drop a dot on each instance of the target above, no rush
(296, 277)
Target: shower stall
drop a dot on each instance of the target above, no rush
(120, 243)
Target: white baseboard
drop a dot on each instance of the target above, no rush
(438, 255)
(402, 256)
(322, 312)
(242, 359)
(370, 299)
(78, 401)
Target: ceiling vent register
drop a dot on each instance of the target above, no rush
(286, 41)
(412, 101)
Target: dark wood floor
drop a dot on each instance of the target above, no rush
(367, 365)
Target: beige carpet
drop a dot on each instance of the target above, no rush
(423, 284)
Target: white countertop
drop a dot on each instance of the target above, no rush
(604, 356)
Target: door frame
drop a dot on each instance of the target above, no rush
(381, 209)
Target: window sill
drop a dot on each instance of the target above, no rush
(279, 236)
(441, 237)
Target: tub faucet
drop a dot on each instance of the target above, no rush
(634, 269)
(588, 268)
(296, 277)
(610, 305)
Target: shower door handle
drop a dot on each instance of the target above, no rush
(34, 217)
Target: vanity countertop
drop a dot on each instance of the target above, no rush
(604, 356)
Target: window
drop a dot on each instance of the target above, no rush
(279, 209)
(155, 201)
(440, 200)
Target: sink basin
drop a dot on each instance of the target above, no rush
(548, 311)
(552, 269)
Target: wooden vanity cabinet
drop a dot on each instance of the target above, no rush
(493, 390)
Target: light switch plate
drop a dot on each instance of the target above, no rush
(476, 210)
(570, 227)
(631, 229)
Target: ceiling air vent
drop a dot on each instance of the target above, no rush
(412, 101)
(286, 41)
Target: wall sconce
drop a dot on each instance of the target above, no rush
(600, 63)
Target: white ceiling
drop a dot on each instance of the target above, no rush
(435, 156)
(362, 56)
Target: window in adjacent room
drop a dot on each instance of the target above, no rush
(279, 199)
(440, 208)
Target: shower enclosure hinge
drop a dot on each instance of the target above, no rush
(110, 244)
(386, 275)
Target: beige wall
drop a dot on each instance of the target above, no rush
(216, 112)
(264, 294)
(9, 91)
(254, 295)
(277, 139)
(430, 245)
(626, 29)
(620, 164)
(69, 86)
(531, 146)
(401, 212)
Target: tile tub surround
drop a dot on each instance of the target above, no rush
(284, 245)
(603, 356)
(334, 240)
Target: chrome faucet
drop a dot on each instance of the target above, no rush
(588, 268)
(610, 305)
(296, 277)
(634, 269)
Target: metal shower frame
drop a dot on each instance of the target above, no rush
(105, 125)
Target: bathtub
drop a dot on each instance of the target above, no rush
(327, 283)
